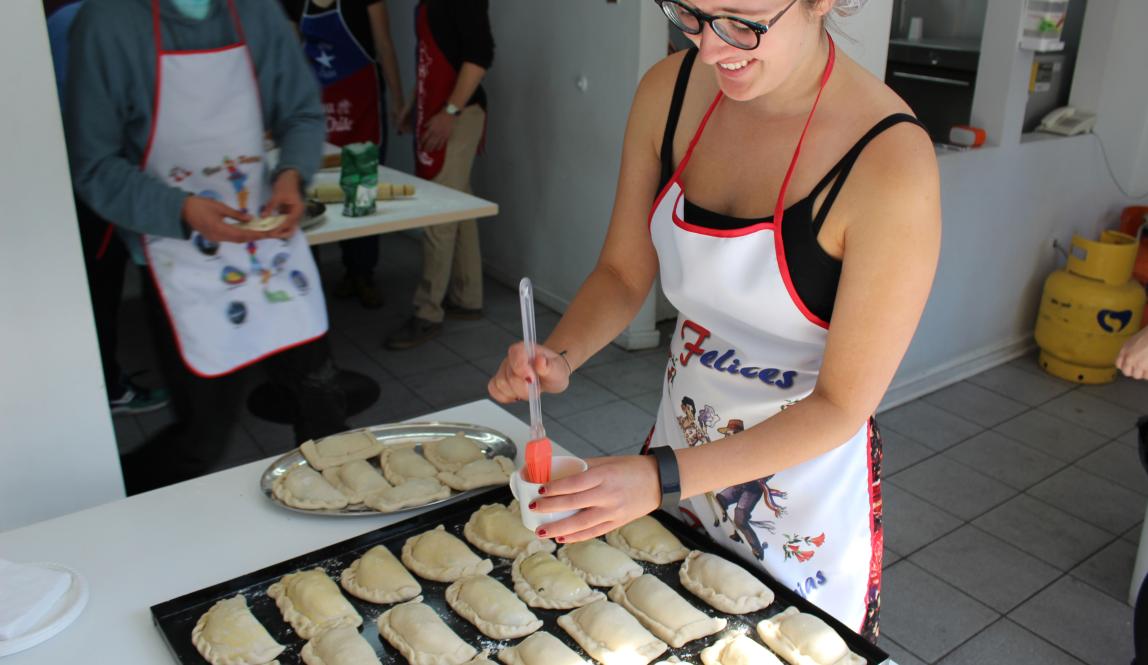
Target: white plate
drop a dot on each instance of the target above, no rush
(62, 614)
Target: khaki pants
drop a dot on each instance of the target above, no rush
(451, 257)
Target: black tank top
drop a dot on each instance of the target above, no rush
(814, 272)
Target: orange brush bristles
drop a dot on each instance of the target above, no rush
(538, 461)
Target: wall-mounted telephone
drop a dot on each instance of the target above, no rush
(1068, 121)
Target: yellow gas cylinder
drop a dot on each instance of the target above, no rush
(1089, 309)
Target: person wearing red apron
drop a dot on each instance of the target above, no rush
(789, 326)
(347, 42)
(228, 298)
(455, 48)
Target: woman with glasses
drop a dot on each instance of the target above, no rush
(790, 205)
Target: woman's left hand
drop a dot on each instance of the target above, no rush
(612, 492)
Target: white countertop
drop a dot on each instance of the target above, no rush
(150, 548)
(432, 204)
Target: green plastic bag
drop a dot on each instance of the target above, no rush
(359, 178)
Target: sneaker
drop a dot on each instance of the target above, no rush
(414, 332)
(135, 400)
(460, 313)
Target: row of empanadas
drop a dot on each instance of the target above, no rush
(311, 602)
(497, 530)
(440, 556)
(665, 613)
(491, 607)
(544, 581)
(379, 577)
(422, 637)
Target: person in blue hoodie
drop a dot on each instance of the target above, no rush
(166, 106)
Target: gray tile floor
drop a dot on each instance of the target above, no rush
(1013, 500)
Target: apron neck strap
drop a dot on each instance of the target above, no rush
(779, 209)
(157, 32)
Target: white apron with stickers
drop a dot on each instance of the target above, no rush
(230, 304)
(745, 348)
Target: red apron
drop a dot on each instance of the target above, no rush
(436, 78)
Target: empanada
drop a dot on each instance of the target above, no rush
(804, 639)
(229, 634)
(340, 449)
(452, 453)
(540, 649)
(422, 637)
(311, 602)
(737, 650)
(544, 581)
(355, 479)
(497, 530)
(664, 612)
(481, 472)
(303, 487)
(440, 556)
(491, 607)
(339, 646)
(598, 563)
(378, 577)
(611, 635)
(723, 584)
(646, 539)
(414, 492)
(401, 463)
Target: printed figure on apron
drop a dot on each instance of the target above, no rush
(785, 331)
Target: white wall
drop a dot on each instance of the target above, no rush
(56, 439)
(1113, 82)
(554, 151)
(1002, 208)
(865, 35)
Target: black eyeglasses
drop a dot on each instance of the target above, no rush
(737, 32)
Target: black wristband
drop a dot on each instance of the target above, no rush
(668, 477)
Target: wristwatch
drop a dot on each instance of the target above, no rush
(668, 476)
(451, 109)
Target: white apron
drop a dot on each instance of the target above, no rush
(230, 304)
(745, 348)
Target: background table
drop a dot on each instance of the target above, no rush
(143, 550)
(432, 204)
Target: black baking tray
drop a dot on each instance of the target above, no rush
(176, 618)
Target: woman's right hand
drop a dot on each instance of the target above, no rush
(509, 383)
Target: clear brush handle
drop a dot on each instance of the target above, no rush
(530, 341)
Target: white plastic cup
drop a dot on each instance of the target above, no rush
(916, 28)
(561, 466)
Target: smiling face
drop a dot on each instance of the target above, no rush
(790, 42)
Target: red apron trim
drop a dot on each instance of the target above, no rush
(436, 79)
(105, 242)
(685, 159)
(779, 208)
(716, 233)
(876, 533)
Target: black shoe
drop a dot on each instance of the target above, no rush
(361, 287)
(414, 332)
(459, 313)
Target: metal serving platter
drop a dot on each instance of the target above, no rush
(490, 441)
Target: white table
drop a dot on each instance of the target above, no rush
(432, 204)
(149, 548)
